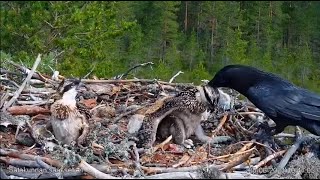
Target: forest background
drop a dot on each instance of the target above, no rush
(196, 37)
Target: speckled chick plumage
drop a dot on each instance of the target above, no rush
(68, 123)
(178, 110)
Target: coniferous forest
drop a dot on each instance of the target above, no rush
(196, 37)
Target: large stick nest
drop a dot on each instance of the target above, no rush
(118, 108)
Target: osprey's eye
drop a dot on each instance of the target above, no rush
(68, 87)
(71, 83)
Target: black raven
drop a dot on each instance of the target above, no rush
(282, 101)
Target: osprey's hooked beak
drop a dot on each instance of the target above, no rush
(79, 84)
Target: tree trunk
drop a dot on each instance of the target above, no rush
(258, 28)
(186, 18)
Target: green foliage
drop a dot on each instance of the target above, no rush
(196, 37)
(199, 73)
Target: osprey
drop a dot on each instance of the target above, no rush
(68, 122)
(180, 116)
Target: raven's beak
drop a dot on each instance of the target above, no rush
(212, 83)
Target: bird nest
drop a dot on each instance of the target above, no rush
(114, 147)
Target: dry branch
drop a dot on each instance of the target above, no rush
(3, 175)
(27, 110)
(223, 120)
(19, 162)
(17, 93)
(150, 170)
(173, 77)
(269, 158)
(240, 159)
(48, 167)
(17, 154)
(94, 172)
(292, 150)
(136, 80)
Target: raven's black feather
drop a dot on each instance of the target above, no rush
(282, 101)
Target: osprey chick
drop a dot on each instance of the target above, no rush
(180, 116)
(67, 122)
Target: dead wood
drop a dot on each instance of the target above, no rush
(151, 170)
(3, 175)
(238, 160)
(17, 93)
(27, 110)
(17, 154)
(137, 80)
(19, 162)
(269, 158)
(94, 172)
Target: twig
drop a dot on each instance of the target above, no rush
(154, 149)
(35, 103)
(182, 169)
(223, 120)
(36, 82)
(266, 143)
(132, 68)
(35, 75)
(19, 162)
(2, 71)
(41, 175)
(48, 167)
(3, 174)
(291, 151)
(17, 154)
(244, 175)
(175, 175)
(197, 175)
(229, 155)
(173, 77)
(263, 145)
(248, 113)
(238, 160)
(8, 80)
(17, 93)
(298, 132)
(124, 114)
(137, 160)
(94, 172)
(268, 158)
(280, 135)
(246, 166)
(136, 80)
(94, 66)
(4, 97)
(185, 158)
(27, 110)
(237, 122)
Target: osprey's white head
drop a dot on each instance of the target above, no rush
(70, 92)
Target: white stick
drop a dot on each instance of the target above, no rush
(180, 72)
(94, 172)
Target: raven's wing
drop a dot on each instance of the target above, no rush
(286, 101)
